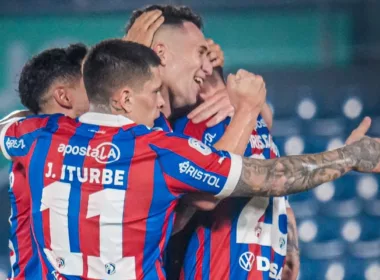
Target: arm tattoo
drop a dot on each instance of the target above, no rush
(292, 248)
(294, 174)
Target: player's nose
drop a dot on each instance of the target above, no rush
(160, 101)
(207, 66)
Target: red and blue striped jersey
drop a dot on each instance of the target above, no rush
(103, 191)
(242, 238)
(23, 251)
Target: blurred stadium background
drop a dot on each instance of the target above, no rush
(321, 63)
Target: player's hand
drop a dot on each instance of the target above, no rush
(144, 28)
(359, 132)
(215, 54)
(217, 106)
(246, 90)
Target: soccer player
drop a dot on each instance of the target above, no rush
(239, 231)
(50, 83)
(103, 188)
(149, 22)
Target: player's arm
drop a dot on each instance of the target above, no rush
(267, 114)
(293, 174)
(11, 118)
(292, 261)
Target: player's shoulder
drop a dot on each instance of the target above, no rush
(162, 123)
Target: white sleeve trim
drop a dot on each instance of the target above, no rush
(287, 203)
(2, 137)
(233, 176)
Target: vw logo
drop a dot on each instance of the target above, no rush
(246, 261)
(110, 268)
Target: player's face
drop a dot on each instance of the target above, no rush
(187, 65)
(80, 99)
(148, 102)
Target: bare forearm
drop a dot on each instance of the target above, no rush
(14, 114)
(292, 263)
(237, 134)
(267, 115)
(294, 174)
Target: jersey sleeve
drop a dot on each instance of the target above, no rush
(18, 135)
(188, 165)
(208, 135)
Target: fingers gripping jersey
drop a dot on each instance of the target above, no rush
(103, 190)
(242, 238)
(24, 259)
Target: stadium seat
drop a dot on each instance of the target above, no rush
(368, 243)
(320, 238)
(344, 202)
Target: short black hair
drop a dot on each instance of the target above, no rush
(173, 15)
(114, 63)
(42, 70)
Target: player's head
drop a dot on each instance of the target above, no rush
(123, 78)
(213, 83)
(51, 82)
(182, 48)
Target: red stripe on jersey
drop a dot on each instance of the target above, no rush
(254, 274)
(90, 227)
(137, 204)
(219, 269)
(22, 199)
(200, 253)
(181, 187)
(28, 126)
(195, 130)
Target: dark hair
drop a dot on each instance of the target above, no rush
(42, 70)
(173, 15)
(114, 63)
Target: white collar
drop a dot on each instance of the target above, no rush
(104, 119)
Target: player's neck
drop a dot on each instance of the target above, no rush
(100, 108)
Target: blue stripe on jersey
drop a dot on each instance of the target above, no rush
(278, 260)
(33, 269)
(161, 200)
(161, 123)
(179, 168)
(75, 193)
(206, 254)
(180, 125)
(126, 144)
(36, 181)
(190, 259)
(266, 252)
(13, 237)
(236, 272)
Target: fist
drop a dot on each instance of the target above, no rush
(215, 54)
(246, 90)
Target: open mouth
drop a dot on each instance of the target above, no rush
(199, 81)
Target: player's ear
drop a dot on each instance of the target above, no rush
(126, 99)
(162, 51)
(63, 97)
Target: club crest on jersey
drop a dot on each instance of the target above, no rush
(199, 146)
(258, 231)
(106, 152)
(110, 268)
(246, 261)
(60, 262)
